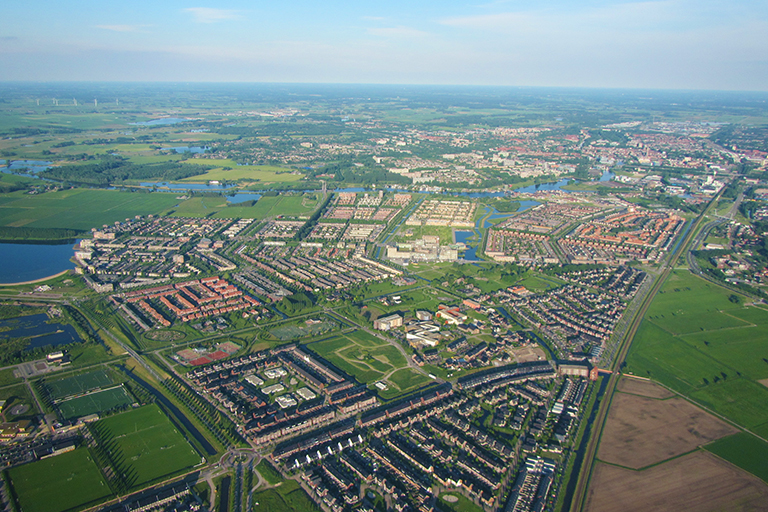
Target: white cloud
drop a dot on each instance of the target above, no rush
(211, 15)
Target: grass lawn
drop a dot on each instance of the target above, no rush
(744, 450)
(268, 472)
(81, 209)
(59, 483)
(407, 380)
(288, 497)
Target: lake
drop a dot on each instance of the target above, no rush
(28, 262)
(187, 149)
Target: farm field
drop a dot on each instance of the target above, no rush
(80, 209)
(697, 482)
(744, 450)
(699, 340)
(147, 443)
(641, 431)
(78, 384)
(60, 483)
(101, 401)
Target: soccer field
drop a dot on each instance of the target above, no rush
(78, 384)
(60, 483)
(100, 401)
(149, 445)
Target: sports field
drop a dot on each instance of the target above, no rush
(147, 443)
(78, 384)
(60, 483)
(101, 401)
(81, 209)
(699, 340)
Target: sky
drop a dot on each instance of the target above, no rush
(665, 44)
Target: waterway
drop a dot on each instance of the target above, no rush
(29, 261)
(185, 187)
(579, 460)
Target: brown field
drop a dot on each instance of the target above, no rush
(764, 382)
(698, 482)
(643, 388)
(527, 354)
(642, 431)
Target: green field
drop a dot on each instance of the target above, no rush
(80, 209)
(148, 445)
(407, 380)
(707, 347)
(269, 206)
(268, 472)
(60, 483)
(367, 358)
(240, 172)
(78, 384)
(744, 450)
(101, 401)
(289, 497)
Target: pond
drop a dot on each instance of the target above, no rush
(242, 197)
(41, 334)
(160, 122)
(187, 149)
(29, 261)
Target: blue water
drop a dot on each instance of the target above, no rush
(32, 167)
(242, 197)
(27, 262)
(185, 186)
(160, 122)
(470, 253)
(530, 189)
(185, 149)
(40, 333)
(607, 176)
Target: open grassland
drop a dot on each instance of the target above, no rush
(744, 450)
(697, 482)
(60, 483)
(229, 170)
(81, 209)
(147, 442)
(707, 347)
